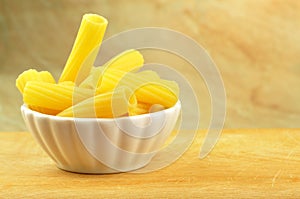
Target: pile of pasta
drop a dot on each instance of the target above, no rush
(118, 88)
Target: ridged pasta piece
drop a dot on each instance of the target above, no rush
(171, 85)
(85, 48)
(53, 96)
(144, 108)
(150, 91)
(112, 78)
(140, 108)
(129, 60)
(44, 110)
(106, 105)
(33, 75)
(46, 76)
(156, 107)
(156, 94)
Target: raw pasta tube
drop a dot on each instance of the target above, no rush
(146, 90)
(111, 78)
(44, 110)
(143, 108)
(130, 60)
(47, 110)
(105, 105)
(85, 49)
(33, 75)
(156, 93)
(140, 108)
(53, 96)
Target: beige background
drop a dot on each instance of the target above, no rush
(255, 43)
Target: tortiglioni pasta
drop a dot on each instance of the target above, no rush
(85, 49)
(113, 90)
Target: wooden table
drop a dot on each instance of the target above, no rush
(246, 163)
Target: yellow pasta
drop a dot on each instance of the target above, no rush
(130, 60)
(171, 85)
(156, 94)
(156, 107)
(44, 110)
(147, 91)
(112, 90)
(67, 83)
(112, 78)
(53, 96)
(106, 105)
(33, 75)
(143, 108)
(140, 108)
(85, 49)
(45, 76)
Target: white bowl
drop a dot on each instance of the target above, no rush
(95, 145)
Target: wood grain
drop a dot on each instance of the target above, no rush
(257, 163)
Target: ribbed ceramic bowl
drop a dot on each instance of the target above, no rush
(90, 145)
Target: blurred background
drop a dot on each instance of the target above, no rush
(254, 43)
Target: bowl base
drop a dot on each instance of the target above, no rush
(106, 170)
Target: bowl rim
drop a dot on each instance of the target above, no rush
(24, 108)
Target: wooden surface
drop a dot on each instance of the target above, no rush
(258, 163)
(255, 44)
